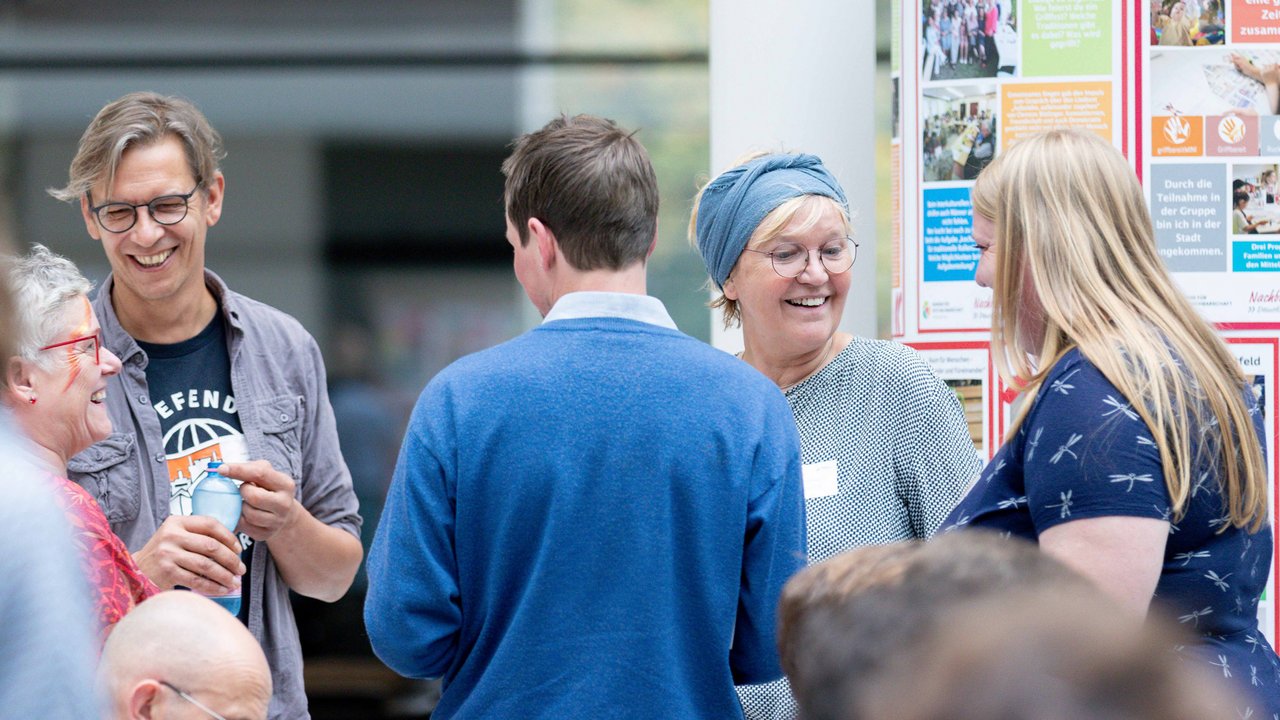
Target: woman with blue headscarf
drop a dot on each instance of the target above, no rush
(886, 448)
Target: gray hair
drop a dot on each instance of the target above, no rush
(140, 118)
(42, 283)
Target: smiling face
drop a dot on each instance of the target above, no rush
(795, 315)
(70, 386)
(154, 263)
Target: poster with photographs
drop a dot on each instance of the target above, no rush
(966, 368)
(1188, 90)
(1210, 134)
(989, 72)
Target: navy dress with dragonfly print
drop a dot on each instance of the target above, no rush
(1082, 452)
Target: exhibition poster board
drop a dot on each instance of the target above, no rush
(966, 368)
(1208, 139)
(1188, 91)
(988, 72)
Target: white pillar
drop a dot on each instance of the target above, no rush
(800, 76)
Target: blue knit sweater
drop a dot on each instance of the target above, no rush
(592, 520)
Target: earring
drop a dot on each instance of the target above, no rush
(32, 399)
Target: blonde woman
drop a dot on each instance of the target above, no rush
(1137, 455)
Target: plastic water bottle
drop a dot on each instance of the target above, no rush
(219, 498)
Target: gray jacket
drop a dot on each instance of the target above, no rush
(278, 379)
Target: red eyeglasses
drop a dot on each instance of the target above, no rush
(97, 344)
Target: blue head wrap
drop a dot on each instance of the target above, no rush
(734, 204)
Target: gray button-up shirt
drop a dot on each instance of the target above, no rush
(278, 378)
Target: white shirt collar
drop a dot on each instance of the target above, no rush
(629, 306)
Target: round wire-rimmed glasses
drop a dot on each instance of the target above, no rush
(790, 259)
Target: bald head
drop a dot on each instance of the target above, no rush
(188, 642)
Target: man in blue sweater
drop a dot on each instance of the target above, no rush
(596, 518)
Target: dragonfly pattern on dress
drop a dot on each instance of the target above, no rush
(1081, 452)
(1034, 443)
(1065, 449)
(1131, 478)
(995, 471)
(1065, 505)
(1219, 581)
(1061, 385)
(1119, 407)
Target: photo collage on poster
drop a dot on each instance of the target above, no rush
(991, 71)
(1188, 90)
(966, 369)
(1212, 112)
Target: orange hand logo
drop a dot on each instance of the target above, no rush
(1231, 129)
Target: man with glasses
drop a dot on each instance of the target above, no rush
(208, 374)
(179, 655)
(596, 518)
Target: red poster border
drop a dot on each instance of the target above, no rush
(991, 387)
(1138, 67)
(1273, 390)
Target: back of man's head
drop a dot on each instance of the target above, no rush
(1049, 653)
(179, 651)
(858, 617)
(591, 183)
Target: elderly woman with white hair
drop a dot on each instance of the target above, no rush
(886, 448)
(55, 384)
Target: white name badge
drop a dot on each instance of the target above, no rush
(820, 480)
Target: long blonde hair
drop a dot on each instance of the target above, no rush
(1076, 255)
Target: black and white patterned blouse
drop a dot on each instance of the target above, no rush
(903, 458)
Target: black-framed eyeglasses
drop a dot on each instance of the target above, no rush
(790, 259)
(95, 346)
(186, 696)
(118, 217)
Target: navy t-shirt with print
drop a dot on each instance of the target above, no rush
(1083, 452)
(190, 387)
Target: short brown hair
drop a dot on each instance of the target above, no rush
(591, 183)
(849, 622)
(834, 583)
(1048, 654)
(140, 118)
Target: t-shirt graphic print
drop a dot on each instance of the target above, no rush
(190, 387)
